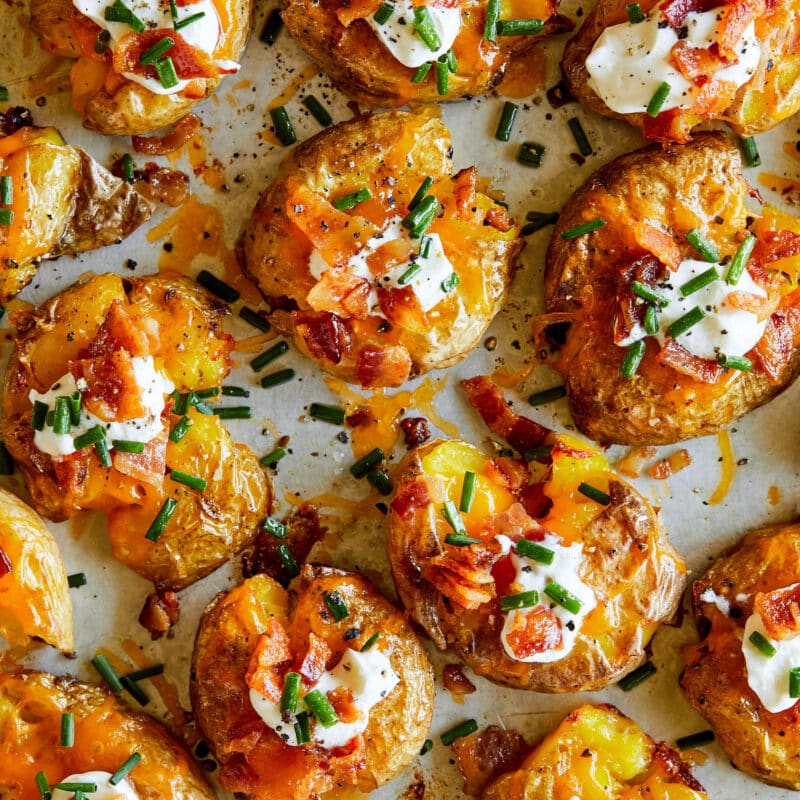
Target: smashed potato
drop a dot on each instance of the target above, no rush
(180, 496)
(253, 638)
(371, 292)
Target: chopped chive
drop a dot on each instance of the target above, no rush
(421, 72)
(180, 430)
(119, 12)
(531, 154)
(750, 153)
(452, 63)
(794, 682)
(425, 247)
(424, 188)
(539, 453)
(492, 16)
(39, 415)
(762, 644)
(459, 731)
(699, 282)
(205, 394)
(688, 320)
(192, 481)
(450, 513)
(283, 125)
(125, 769)
(76, 786)
(418, 220)
(182, 23)
(67, 729)
(703, 246)
(651, 320)
(534, 551)
(639, 675)
(272, 27)
(291, 692)
(76, 580)
(521, 600)
(740, 259)
(384, 13)
(6, 190)
(695, 740)
(317, 110)
(61, 417)
(467, 491)
(409, 274)
(277, 378)
(555, 591)
(633, 358)
(352, 199)
(460, 540)
(547, 396)
(268, 356)
(364, 464)
(742, 363)
(519, 27)
(635, 15)
(648, 293)
(427, 745)
(161, 519)
(75, 408)
(42, 784)
(173, 10)
(181, 404)
(287, 559)
(127, 446)
(214, 285)
(321, 708)
(327, 413)
(506, 122)
(146, 672)
(102, 42)
(6, 216)
(91, 437)
(336, 605)
(302, 728)
(3, 94)
(101, 448)
(583, 229)
(152, 54)
(200, 406)
(107, 673)
(593, 493)
(254, 318)
(581, 140)
(235, 391)
(234, 412)
(423, 24)
(134, 690)
(658, 99)
(274, 528)
(450, 282)
(381, 481)
(368, 645)
(272, 458)
(165, 70)
(442, 76)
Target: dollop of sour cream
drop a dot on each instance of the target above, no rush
(630, 61)
(767, 676)
(369, 677)
(153, 385)
(530, 574)
(105, 791)
(399, 36)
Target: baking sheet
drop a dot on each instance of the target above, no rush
(241, 154)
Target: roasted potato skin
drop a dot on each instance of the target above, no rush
(220, 697)
(34, 595)
(107, 732)
(770, 96)
(276, 253)
(629, 562)
(761, 743)
(65, 203)
(687, 186)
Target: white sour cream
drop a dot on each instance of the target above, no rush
(532, 574)
(153, 386)
(105, 791)
(630, 61)
(769, 677)
(722, 604)
(368, 675)
(400, 38)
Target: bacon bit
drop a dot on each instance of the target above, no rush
(775, 347)
(560, 448)
(411, 498)
(673, 125)
(534, 631)
(5, 564)
(633, 461)
(149, 465)
(779, 611)
(498, 218)
(387, 366)
(161, 184)
(761, 307)
(160, 612)
(184, 129)
(455, 681)
(738, 15)
(535, 502)
(402, 309)
(696, 64)
(415, 431)
(72, 471)
(676, 11)
(340, 292)
(674, 766)
(714, 97)
(514, 522)
(119, 331)
(521, 433)
(313, 663)
(464, 592)
(271, 653)
(344, 704)
(681, 360)
(482, 756)
(464, 183)
(662, 470)
(631, 309)
(325, 334)
(775, 245)
(660, 244)
(113, 392)
(510, 473)
(356, 9)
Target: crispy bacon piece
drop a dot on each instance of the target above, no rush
(775, 347)
(780, 611)
(533, 499)
(119, 331)
(673, 463)
(738, 15)
(676, 11)
(324, 334)
(696, 64)
(484, 755)
(773, 246)
(521, 433)
(658, 243)
(389, 366)
(465, 182)
(344, 704)
(534, 631)
(184, 129)
(514, 522)
(714, 97)
(498, 218)
(415, 431)
(149, 465)
(630, 315)
(762, 307)
(313, 663)
(674, 766)
(272, 651)
(632, 462)
(340, 292)
(113, 392)
(412, 497)
(681, 360)
(672, 125)
(510, 473)
(463, 574)
(401, 307)
(455, 681)
(159, 613)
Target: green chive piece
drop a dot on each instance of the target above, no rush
(452, 63)
(287, 559)
(381, 481)
(119, 12)
(42, 784)
(101, 448)
(284, 129)
(91, 437)
(181, 404)
(421, 72)
(234, 412)
(419, 220)
(519, 27)
(450, 513)
(442, 76)
(762, 644)
(277, 378)
(327, 413)
(648, 293)
(162, 518)
(200, 406)
(409, 274)
(423, 24)
(424, 188)
(182, 23)
(635, 15)
(336, 605)
(581, 140)
(460, 540)
(75, 408)
(254, 318)
(272, 458)
(658, 99)
(125, 769)
(61, 418)
(107, 673)
(165, 70)
(688, 320)
(367, 462)
(794, 682)
(547, 396)
(173, 10)
(696, 739)
(459, 731)
(593, 493)
(291, 692)
(6, 462)
(320, 707)
(76, 786)
(492, 16)
(102, 41)
(268, 356)
(3, 94)
(506, 123)
(633, 358)
(521, 600)
(317, 110)
(235, 391)
(127, 446)
(531, 154)
(450, 282)
(368, 645)
(6, 190)
(425, 247)
(740, 259)
(302, 728)
(742, 363)
(699, 282)
(750, 153)
(67, 729)
(703, 246)
(534, 551)
(192, 481)
(39, 415)
(427, 745)
(205, 394)
(274, 528)
(650, 320)
(555, 591)
(76, 580)
(352, 199)
(146, 672)
(467, 491)
(272, 27)
(583, 229)
(152, 54)
(134, 690)
(639, 675)
(214, 285)
(180, 430)
(384, 13)
(6, 216)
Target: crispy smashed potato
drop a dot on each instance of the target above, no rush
(106, 733)
(457, 590)
(757, 578)
(593, 312)
(64, 203)
(259, 623)
(597, 753)
(98, 330)
(349, 285)
(34, 595)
